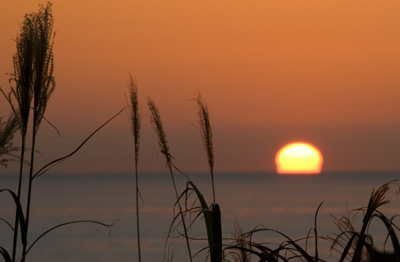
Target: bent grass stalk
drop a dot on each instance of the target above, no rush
(376, 200)
(212, 219)
(358, 244)
(162, 141)
(109, 226)
(57, 161)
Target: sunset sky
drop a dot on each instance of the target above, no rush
(272, 72)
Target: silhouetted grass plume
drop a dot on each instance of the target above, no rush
(31, 86)
(155, 119)
(135, 125)
(33, 80)
(206, 134)
(7, 132)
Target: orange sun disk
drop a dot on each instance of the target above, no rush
(298, 158)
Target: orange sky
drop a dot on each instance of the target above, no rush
(272, 72)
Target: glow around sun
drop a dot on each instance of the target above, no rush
(298, 158)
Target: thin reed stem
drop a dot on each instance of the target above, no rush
(28, 205)
(16, 223)
(137, 213)
(135, 125)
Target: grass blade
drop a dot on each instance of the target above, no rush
(376, 200)
(392, 234)
(316, 232)
(19, 215)
(347, 248)
(212, 219)
(217, 233)
(5, 255)
(65, 224)
(61, 159)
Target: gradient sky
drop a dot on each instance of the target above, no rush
(272, 72)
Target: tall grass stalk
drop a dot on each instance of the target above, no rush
(135, 124)
(22, 88)
(206, 134)
(155, 119)
(33, 79)
(43, 82)
(21, 94)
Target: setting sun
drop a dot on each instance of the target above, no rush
(298, 158)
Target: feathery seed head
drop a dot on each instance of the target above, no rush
(158, 127)
(7, 131)
(44, 83)
(33, 68)
(134, 112)
(206, 131)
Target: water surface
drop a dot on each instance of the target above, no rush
(284, 203)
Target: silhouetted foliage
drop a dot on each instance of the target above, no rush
(7, 131)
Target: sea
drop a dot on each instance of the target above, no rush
(283, 206)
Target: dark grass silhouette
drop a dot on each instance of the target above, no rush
(32, 84)
(155, 119)
(210, 213)
(358, 245)
(350, 244)
(135, 125)
(33, 80)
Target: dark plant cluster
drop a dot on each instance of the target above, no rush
(31, 86)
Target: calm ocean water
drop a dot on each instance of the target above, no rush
(284, 203)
